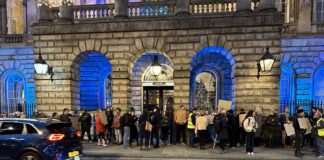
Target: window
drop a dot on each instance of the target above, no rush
(318, 90)
(286, 84)
(11, 128)
(14, 91)
(31, 129)
(15, 15)
(320, 10)
(108, 91)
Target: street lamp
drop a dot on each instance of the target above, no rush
(266, 62)
(41, 67)
(156, 67)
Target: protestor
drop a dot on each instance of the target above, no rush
(319, 133)
(269, 129)
(85, 121)
(240, 133)
(55, 115)
(201, 130)
(180, 118)
(100, 128)
(116, 126)
(133, 128)
(298, 132)
(144, 134)
(191, 126)
(108, 126)
(250, 126)
(165, 128)
(258, 119)
(155, 119)
(232, 128)
(211, 127)
(222, 130)
(125, 123)
(65, 116)
(284, 119)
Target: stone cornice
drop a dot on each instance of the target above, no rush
(159, 23)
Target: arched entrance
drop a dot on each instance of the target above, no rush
(149, 90)
(92, 86)
(211, 78)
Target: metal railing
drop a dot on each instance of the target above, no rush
(307, 105)
(10, 110)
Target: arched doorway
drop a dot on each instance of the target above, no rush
(92, 87)
(149, 90)
(211, 78)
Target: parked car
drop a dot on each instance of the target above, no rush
(38, 139)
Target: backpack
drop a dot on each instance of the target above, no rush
(248, 128)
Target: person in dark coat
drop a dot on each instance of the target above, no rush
(298, 132)
(108, 126)
(85, 121)
(133, 128)
(165, 128)
(155, 120)
(270, 129)
(222, 132)
(125, 123)
(66, 116)
(232, 128)
(144, 135)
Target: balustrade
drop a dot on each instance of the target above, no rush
(12, 38)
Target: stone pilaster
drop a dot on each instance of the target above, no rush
(182, 7)
(267, 6)
(121, 9)
(243, 6)
(3, 17)
(31, 11)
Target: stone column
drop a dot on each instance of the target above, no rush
(267, 6)
(3, 17)
(121, 9)
(243, 6)
(182, 7)
(31, 14)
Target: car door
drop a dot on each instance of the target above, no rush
(11, 139)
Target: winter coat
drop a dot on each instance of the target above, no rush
(223, 133)
(142, 122)
(110, 119)
(116, 122)
(133, 128)
(65, 118)
(250, 121)
(126, 120)
(85, 120)
(156, 119)
(100, 127)
(258, 119)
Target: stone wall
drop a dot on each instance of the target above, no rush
(303, 56)
(178, 38)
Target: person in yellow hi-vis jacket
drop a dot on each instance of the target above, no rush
(191, 126)
(319, 132)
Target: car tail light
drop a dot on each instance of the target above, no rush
(55, 137)
(78, 133)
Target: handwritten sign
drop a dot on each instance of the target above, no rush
(226, 105)
(289, 128)
(303, 123)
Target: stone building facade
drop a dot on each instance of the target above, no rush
(115, 43)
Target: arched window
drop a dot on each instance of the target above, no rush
(286, 84)
(318, 87)
(14, 89)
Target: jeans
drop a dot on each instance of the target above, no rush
(212, 133)
(298, 142)
(191, 136)
(319, 145)
(109, 133)
(144, 135)
(222, 144)
(156, 136)
(181, 132)
(118, 136)
(126, 136)
(249, 141)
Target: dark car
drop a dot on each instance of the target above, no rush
(33, 139)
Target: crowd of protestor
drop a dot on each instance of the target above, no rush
(195, 128)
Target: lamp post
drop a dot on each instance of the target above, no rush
(156, 67)
(42, 68)
(266, 62)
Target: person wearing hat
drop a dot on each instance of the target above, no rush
(298, 132)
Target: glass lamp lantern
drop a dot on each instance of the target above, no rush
(41, 67)
(156, 67)
(266, 62)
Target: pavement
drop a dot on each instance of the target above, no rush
(182, 152)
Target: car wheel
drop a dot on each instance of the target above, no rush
(29, 156)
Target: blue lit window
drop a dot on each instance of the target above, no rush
(286, 84)
(320, 10)
(318, 90)
(108, 91)
(15, 85)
